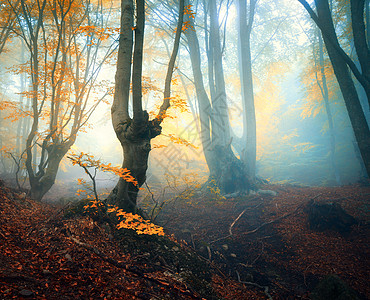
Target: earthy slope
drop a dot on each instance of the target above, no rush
(44, 255)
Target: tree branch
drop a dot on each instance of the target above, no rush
(171, 65)
(336, 46)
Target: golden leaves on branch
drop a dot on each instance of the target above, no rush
(125, 220)
(86, 161)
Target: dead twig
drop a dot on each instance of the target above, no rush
(209, 253)
(264, 224)
(280, 218)
(230, 228)
(236, 220)
(264, 288)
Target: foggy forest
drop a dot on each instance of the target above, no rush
(184, 149)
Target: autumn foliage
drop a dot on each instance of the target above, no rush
(96, 207)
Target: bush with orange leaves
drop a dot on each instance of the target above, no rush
(97, 208)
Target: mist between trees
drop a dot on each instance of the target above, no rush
(233, 93)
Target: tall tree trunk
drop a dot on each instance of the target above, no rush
(204, 105)
(228, 172)
(21, 122)
(245, 69)
(341, 62)
(220, 113)
(359, 39)
(356, 114)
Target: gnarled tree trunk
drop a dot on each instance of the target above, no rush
(44, 179)
(135, 133)
(135, 141)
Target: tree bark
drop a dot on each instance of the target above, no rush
(245, 68)
(135, 134)
(43, 180)
(356, 114)
(220, 113)
(135, 141)
(359, 39)
(228, 172)
(325, 95)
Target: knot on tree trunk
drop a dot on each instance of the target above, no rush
(137, 129)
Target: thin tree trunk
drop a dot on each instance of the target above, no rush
(204, 105)
(325, 94)
(220, 114)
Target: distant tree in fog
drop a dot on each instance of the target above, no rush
(343, 65)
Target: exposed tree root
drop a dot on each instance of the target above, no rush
(264, 288)
(264, 224)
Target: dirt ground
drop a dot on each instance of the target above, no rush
(246, 247)
(271, 243)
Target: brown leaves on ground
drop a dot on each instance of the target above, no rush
(38, 258)
(272, 244)
(283, 258)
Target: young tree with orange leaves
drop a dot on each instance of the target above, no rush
(64, 40)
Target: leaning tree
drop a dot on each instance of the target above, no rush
(343, 66)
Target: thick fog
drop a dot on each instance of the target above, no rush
(292, 128)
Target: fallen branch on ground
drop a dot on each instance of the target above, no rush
(264, 288)
(280, 218)
(230, 228)
(264, 224)
(236, 220)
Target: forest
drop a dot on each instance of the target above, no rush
(184, 149)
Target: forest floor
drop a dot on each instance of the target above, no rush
(247, 247)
